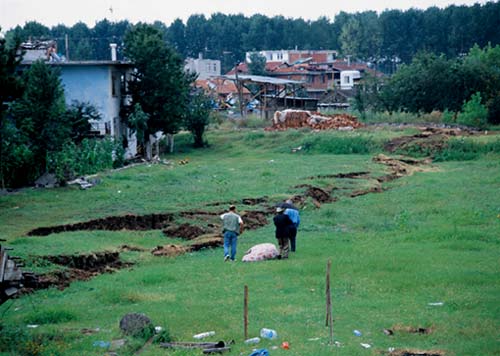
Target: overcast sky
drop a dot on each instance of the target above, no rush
(69, 12)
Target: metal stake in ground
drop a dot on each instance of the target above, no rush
(329, 318)
(245, 312)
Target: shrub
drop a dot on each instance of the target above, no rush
(461, 149)
(91, 156)
(50, 317)
(474, 113)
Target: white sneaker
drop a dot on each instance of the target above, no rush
(226, 258)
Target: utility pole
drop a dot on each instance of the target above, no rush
(66, 45)
(238, 87)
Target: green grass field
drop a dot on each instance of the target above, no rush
(431, 237)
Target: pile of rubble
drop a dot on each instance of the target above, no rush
(302, 118)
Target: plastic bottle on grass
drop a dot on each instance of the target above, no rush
(204, 335)
(253, 340)
(268, 334)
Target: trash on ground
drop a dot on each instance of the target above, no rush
(82, 182)
(158, 329)
(357, 333)
(436, 304)
(194, 345)
(313, 339)
(366, 346)
(116, 344)
(285, 345)
(388, 332)
(253, 340)
(216, 350)
(102, 344)
(32, 326)
(204, 335)
(268, 333)
(260, 352)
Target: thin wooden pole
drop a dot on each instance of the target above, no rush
(329, 318)
(245, 312)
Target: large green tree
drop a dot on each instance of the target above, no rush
(10, 89)
(159, 83)
(40, 114)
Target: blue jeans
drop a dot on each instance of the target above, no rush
(230, 241)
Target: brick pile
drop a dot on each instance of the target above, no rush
(288, 119)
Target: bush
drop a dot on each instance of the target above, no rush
(91, 156)
(474, 113)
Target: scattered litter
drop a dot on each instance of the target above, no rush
(338, 344)
(296, 149)
(208, 347)
(253, 340)
(271, 161)
(82, 182)
(285, 345)
(388, 332)
(158, 329)
(260, 352)
(204, 335)
(357, 333)
(268, 334)
(366, 346)
(313, 339)
(391, 349)
(32, 326)
(102, 344)
(436, 304)
(116, 344)
(119, 192)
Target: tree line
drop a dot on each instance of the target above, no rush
(385, 39)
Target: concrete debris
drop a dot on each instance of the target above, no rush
(135, 323)
(47, 180)
(82, 182)
(302, 118)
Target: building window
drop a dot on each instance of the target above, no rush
(114, 85)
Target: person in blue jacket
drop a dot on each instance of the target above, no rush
(293, 214)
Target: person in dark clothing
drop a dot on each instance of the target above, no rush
(282, 223)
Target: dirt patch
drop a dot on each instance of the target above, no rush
(127, 248)
(184, 231)
(207, 241)
(244, 201)
(170, 250)
(430, 139)
(254, 219)
(412, 329)
(358, 193)
(111, 223)
(402, 167)
(413, 352)
(318, 194)
(200, 242)
(78, 268)
(352, 175)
